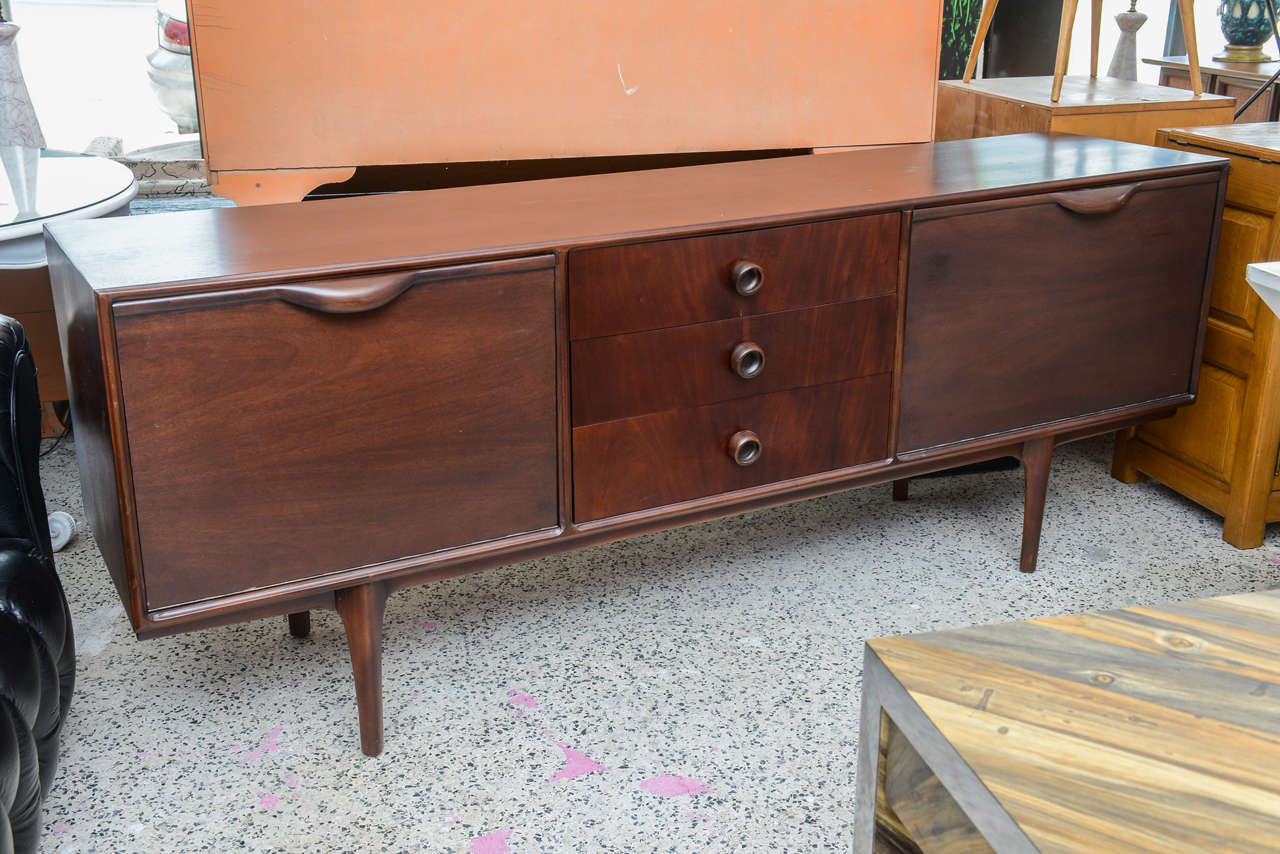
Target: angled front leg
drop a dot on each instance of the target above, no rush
(361, 610)
(984, 24)
(1037, 455)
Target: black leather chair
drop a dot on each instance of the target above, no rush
(37, 650)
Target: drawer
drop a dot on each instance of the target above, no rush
(1052, 306)
(625, 375)
(653, 460)
(638, 286)
(293, 430)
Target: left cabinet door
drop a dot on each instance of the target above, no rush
(295, 429)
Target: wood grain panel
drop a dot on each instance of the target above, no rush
(1245, 238)
(619, 289)
(654, 460)
(271, 442)
(626, 375)
(1205, 433)
(1140, 730)
(1037, 337)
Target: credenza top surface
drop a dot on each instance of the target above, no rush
(501, 220)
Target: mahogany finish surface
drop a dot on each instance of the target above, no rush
(990, 355)
(636, 463)
(464, 428)
(310, 406)
(625, 375)
(631, 287)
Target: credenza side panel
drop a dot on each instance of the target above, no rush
(1053, 306)
(292, 431)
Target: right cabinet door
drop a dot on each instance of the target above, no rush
(1031, 310)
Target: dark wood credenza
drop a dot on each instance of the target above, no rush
(311, 405)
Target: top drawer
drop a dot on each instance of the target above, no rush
(639, 286)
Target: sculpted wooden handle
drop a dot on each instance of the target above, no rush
(747, 278)
(747, 360)
(745, 447)
(1100, 201)
(345, 296)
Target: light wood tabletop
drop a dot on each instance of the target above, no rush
(1144, 729)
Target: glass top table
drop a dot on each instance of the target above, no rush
(66, 186)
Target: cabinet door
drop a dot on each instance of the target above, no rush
(297, 429)
(1053, 306)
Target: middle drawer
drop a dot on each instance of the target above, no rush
(626, 375)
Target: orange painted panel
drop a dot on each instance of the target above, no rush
(314, 83)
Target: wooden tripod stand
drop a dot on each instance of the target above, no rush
(1064, 41)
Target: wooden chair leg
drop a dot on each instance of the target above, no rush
(901, 489)
(1096, 29)
(984, 24)
(1037, 455)
(1064, 47)
(300, 624)
(361, 609)
(1186, 8)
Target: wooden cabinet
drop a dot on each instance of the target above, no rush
(313, 405)
(1222, 452)
(1102, 106)
(1238, 80)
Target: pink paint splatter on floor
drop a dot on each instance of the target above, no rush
(671, 786)
(142, 754)
(1275, 560)
(492, 843)
(235, 748)
(293, 683)
(292, 781)
(267, 800)
(428, 624)
(487, 597)
(518, 699)
(576, 764)
(453, 819)
(270, 744)
(414, 694)
(59, 828)
(533, 674)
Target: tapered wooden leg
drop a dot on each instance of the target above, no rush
(361, 611)
(1096, 27)
(901, 489)
(1186, 8)
(300, 624)
(984, 24)
(1036, 458)
(1064, 47)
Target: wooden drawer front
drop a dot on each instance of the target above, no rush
(653, 460)
(1025, 312)
(618, 289)
(1204, 434)
(643, 372)
(271, 441)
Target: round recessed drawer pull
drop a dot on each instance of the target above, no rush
(745, 447)
(747, 360)
(748, 278)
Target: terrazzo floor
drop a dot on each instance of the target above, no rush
(690, 691)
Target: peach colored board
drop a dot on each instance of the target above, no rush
(323, 83)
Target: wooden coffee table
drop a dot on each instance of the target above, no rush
(1146, 729)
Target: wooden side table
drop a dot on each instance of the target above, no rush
(1105, 107)
(1141, 730)
(1237, 79)
(68, 186)
(1223, 452)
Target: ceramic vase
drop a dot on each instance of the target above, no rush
(20, 136)
(1247, 26)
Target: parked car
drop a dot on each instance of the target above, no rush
(169, 65)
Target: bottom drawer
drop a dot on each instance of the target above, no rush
(652, 460)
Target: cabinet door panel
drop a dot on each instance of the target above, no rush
(271, 441)
(1025, 312)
